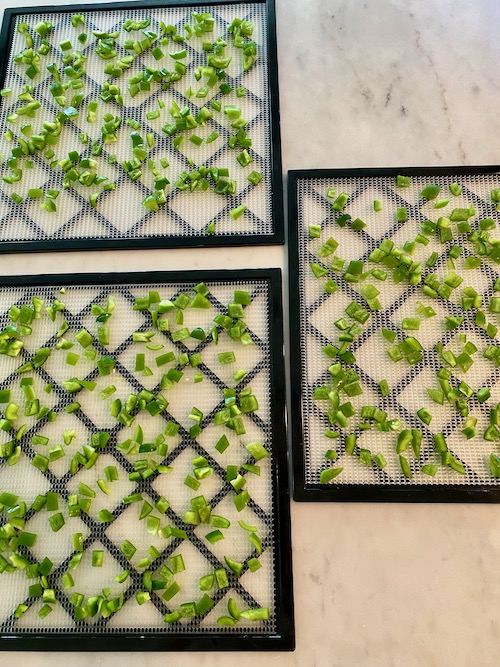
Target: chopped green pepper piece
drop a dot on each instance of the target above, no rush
(405, 467)
(56, 521)
(326, 476)
(402, 214)
(430, 191)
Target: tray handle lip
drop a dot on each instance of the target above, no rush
(359, 172)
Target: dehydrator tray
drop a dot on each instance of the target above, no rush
(394, 288)
(132, 125)
(143, 475)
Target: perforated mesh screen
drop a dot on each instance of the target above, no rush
(408, 383)
(250, 590)
(119, 213)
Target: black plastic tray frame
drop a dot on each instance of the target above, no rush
(303, 491)
(174, 241)
(283, 639)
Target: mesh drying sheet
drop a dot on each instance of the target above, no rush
(195, 395)
(119, 218)
(315, 312)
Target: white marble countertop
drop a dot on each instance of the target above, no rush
(380, 83)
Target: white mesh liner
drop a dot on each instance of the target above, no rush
(256, 589)
(119, 214)
(319, 311)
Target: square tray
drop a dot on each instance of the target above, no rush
(119, 219)
(136, 626)
(314, 312)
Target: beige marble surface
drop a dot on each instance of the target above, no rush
(386, 82)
